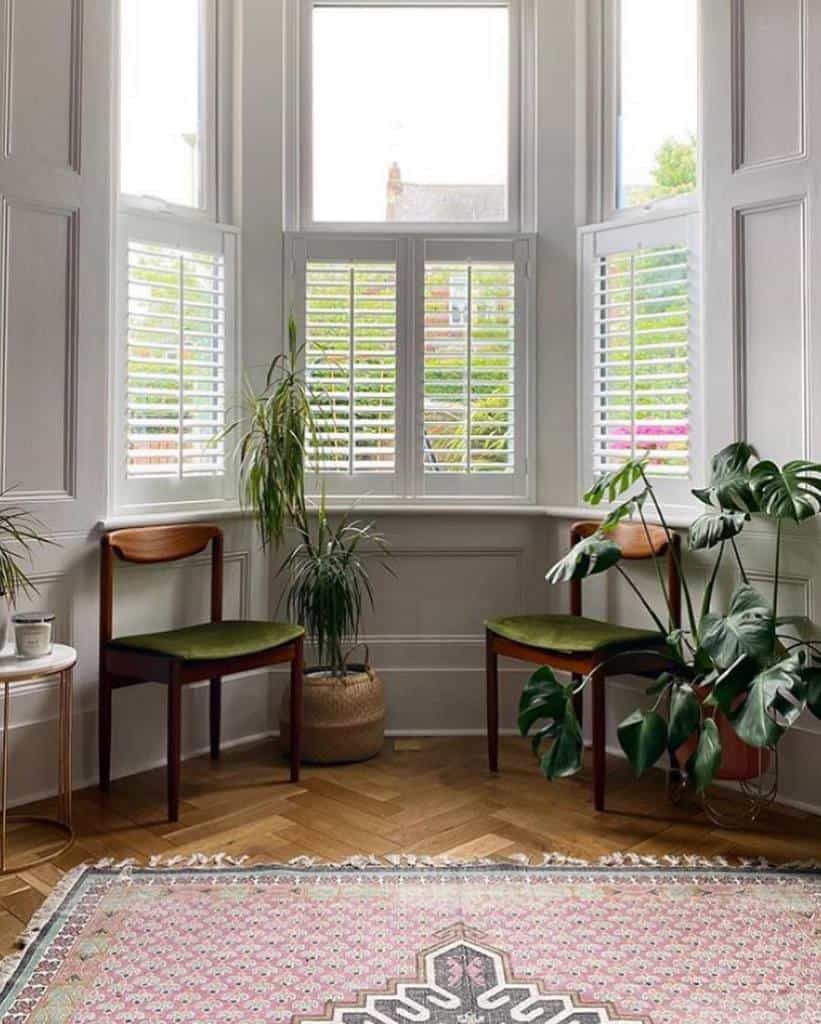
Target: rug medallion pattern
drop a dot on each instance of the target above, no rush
(480, 945)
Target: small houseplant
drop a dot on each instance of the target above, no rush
(327, 582)
(737, 672)
(19, 532)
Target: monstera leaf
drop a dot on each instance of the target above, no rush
(705, 762)
(776, 698)
(713, 527)
(790, 492)
(643, 738)
(625, 510)
(685, 715)
(812, 677)
(730, 684)
(612, 485)
(591, 555)
(545, 699)
(730, 487)
(747, 628)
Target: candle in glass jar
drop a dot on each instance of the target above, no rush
(32, 633)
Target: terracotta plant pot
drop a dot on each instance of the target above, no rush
(739, 761)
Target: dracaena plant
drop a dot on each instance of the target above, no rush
(327, 582)
(739, 661)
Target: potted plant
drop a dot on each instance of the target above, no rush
(737, 680)
(326, 576)
(19, 531)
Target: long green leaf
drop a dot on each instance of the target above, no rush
(643, 738)
(775, 700)
(706, 760)
(685, 715)
(589, 556)
(715, 526)
(789, 492)
(747, 628)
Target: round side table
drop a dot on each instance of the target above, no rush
(15, 673)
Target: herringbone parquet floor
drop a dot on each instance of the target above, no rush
(419, 796)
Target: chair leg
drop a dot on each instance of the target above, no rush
(599, 735)
(174, 748)
(578, 701)
(104, 730)
(297, 672)
(215, 711)
(492, 679)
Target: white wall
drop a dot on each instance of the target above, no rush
(425, 633)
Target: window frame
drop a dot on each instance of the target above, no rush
(210, 22)
(659, 227)
(299, 124)
(179, 494)
(607, 19)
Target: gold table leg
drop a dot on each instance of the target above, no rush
(63, 820)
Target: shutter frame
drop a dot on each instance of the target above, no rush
(666, 339)
(203, 329)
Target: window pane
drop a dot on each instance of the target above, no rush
(161, 122)
(470, 340)
(410, 114)
(641, 360)
(658, 122)
(176, 362)
(350, 327)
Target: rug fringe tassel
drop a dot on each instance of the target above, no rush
(412, 860)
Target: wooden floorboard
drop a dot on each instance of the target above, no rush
(429, 796)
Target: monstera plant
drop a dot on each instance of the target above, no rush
(740, 664)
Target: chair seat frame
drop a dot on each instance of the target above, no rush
(600, 664)
(122, 667)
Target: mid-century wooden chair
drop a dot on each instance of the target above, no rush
(572, 643)
(180, 656)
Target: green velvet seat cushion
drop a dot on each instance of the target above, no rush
(569, 633)
(212, 640)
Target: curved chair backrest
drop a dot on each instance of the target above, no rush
(634, 541)
(637, 543)
(149, 545)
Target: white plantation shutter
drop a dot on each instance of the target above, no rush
(415, 353)
(177, 297)
(640, 325)
(469, 367)
(350, 354)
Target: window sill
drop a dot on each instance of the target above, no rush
(680, 518)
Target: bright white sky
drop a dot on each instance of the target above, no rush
(659, 80)
(160, 98)
(421, 86)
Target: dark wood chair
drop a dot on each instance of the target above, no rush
(177, 657)
(580, 646)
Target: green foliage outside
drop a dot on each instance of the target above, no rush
(675, 173)
(160, 377)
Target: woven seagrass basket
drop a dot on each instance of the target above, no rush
(343, 716)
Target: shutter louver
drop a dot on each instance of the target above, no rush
(469, 368)
(350, 328)
(176, 362)
(641, 360)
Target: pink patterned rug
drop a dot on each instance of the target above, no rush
(484, 944)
